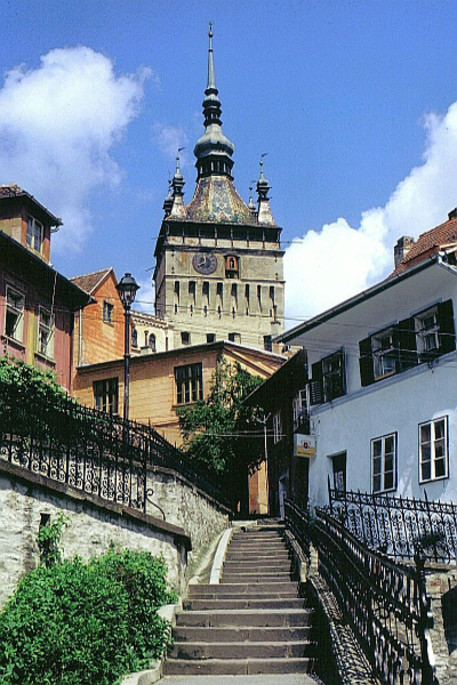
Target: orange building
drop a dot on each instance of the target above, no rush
(165, 381)
(37, 303)
(99, 327)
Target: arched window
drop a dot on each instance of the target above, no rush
(152, 342)
(134, 337)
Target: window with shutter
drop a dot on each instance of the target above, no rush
(328, 378)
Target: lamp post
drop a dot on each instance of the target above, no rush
(127, 288)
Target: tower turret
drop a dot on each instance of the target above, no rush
(213, 150)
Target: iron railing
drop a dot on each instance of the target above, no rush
(87, 449)
(385, 602)
(396, 525)
(297, 521)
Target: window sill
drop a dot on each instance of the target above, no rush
(383, 492)
(45, 358)
(15, 343)
(385, 375)
(433, 480)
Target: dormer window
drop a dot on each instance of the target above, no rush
(35, 234)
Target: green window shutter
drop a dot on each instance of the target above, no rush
(447, 327)
(405, 338)
(366, 362)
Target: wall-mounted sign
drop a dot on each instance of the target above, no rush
(304, 445)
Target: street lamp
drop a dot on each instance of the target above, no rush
(127, 288)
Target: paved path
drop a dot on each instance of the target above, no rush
(299, 679)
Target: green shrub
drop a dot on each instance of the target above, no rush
(79, 623)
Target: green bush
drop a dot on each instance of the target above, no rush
(79, 623)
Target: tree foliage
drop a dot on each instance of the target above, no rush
(222, 433)
(76, 623)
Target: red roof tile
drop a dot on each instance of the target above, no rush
(89, 282)
(428, 243)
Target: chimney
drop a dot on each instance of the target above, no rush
(402, 247)
(452, 214)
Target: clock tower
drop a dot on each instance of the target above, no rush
(219, 262)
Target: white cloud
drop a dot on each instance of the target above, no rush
(169, 139)
(333, 264)
(58, 124)
(145, 296)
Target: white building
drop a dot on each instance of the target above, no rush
(383, 388)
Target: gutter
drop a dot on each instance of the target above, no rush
(363, 296)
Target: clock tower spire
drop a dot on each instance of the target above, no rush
(219, 270)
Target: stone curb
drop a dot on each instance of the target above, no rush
(154, 673)
(219, 557)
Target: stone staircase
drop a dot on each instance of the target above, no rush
(253, 622)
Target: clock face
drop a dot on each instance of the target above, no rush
(204, 262)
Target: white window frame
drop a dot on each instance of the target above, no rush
(108, 312)
(277, 427)
(435, 450)
(384, 355)
(13, 310)
(298, 403)
(35, 234)
(381, 468)
(428, 331)
(46, 330)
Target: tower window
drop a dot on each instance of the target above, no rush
(234, 290)
(177, 288)
(220, 289)
(234, 337)
(210, 337)
(232, 267)
(259, 296)
(191, 287)
(272, 293)
(185, 338)
(205, 288)
(267, 343)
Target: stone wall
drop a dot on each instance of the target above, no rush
(442, 590)
(201, 517)
(192, 520)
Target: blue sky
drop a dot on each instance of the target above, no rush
(353, 102)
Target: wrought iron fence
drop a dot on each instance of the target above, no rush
(396, 525)
(88, 449)
(385, 602)
(297, 521)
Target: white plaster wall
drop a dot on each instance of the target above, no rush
(396, 404)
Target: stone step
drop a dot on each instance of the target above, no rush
(240, 634)
(241, 650)
(243, 603)
(236, 666)
(261, 554)
(257, 547)
(260, 577)
(245, 618)
(243, 565)
(243, 589)
(286, 594)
